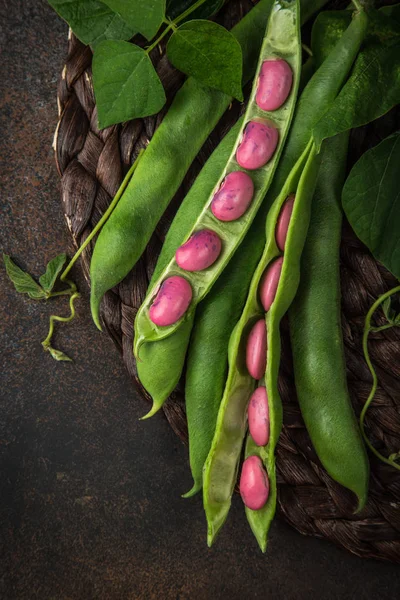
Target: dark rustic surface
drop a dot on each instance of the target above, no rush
(91, 164)
(89, 500)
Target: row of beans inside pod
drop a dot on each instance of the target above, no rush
(254, 484)
(232, 199)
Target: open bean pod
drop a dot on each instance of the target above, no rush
(222, 463)
(233, 203)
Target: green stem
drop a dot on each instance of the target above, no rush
(173, 24)
(307, 49)
(357, 5)
(103, 219)
(188, 11)
(367, 329)
(55, 318)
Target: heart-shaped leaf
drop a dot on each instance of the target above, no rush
(371, 201)
(53, 269)
(146, 16)
(125, 82)
(209, 53)
(93, 21)
(22, 281)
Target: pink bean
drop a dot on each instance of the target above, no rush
(258, 416)
(256, 350)
(269, 283)
(282, 225)
(171, 301)
(259, 142)
(199, 252)
(254, 484)
(274, 84)
(233, 197)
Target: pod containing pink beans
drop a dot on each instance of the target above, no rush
(231, 207)
(251, 395)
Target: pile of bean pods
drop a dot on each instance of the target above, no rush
(257, 236)
(231, 267)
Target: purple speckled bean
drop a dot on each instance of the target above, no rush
(256, 350)
(260, 139)
(171, 301)
(282, 225)
(274, 84)
(199, 252)
(269, 283)
(258, 416)
(254, 484)
(233, 197)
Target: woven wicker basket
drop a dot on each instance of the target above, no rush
(92, 164)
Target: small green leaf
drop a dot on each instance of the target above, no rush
(145, 16)
(176, 7)
(22, 281)
(210, 53)
(125, 82)
(374, 85)
(92, 21)
(58, 355)
(388, 310)
(371, 201)
(53, 269)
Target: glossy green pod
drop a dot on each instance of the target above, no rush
(316, 334)
(161, 363)
(282, 40)
(223, 460)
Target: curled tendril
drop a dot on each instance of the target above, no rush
(367, 329)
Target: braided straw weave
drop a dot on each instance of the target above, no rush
(92, 164)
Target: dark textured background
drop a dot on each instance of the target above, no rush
(90, 503)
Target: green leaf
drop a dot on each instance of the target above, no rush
(53, 269)
(392, 11)
(145, 16)
(58, 355)
(388, 310)
(371, 201)
(176, 7)
(210, 53)
(92, 21)
(22, 281)
(374, 85)
(125, 82)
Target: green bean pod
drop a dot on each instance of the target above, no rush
(192, 116)
(161, 363)
(282, 41)
(302, 184)
(317, 343)
(222, 462)
(231, 425)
